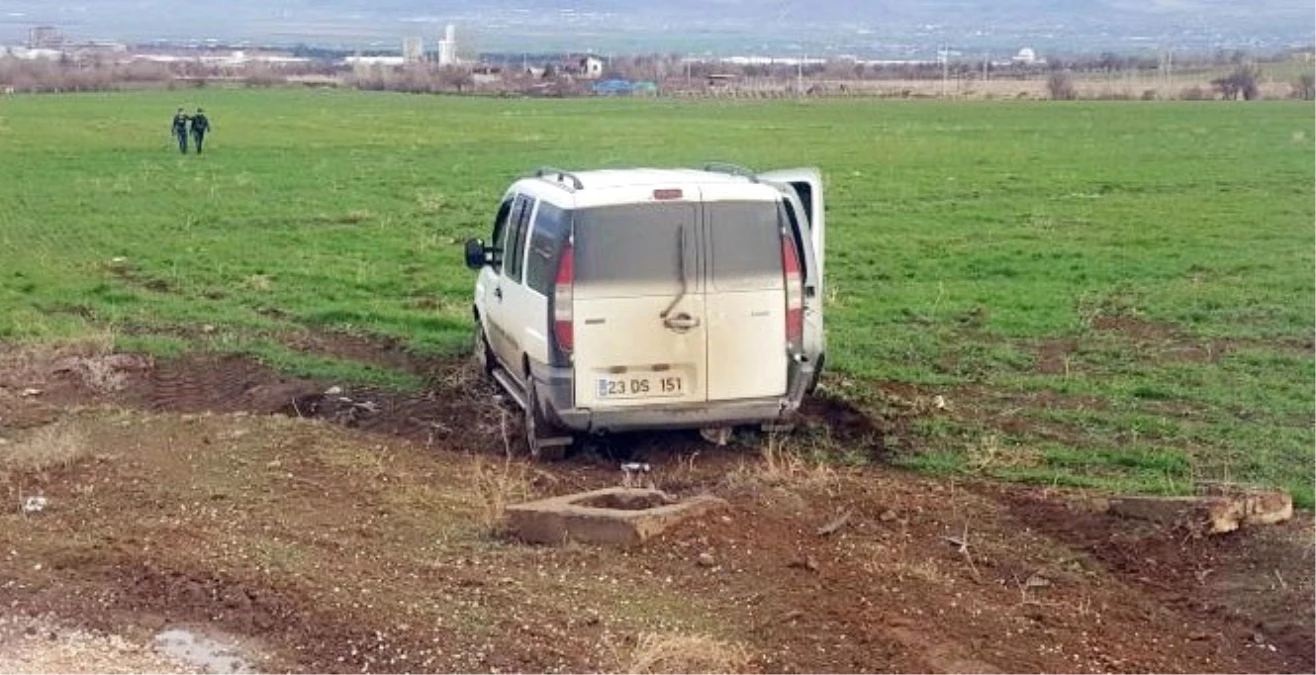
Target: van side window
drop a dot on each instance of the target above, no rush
(499, 231)
(518, 228)
(546, 239)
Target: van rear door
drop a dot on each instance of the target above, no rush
(803, 189)
(638, 301)
(745, 292)
(808, 186)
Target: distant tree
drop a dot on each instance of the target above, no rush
(1305, 87)
(1060, 85)
(1240, 83)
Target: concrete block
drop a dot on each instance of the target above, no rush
(618, 515)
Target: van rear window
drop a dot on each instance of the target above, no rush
(632, 249)
(746, 245)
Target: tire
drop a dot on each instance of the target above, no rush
(538, 429)
(482, 354)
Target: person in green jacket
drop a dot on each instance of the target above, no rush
(200, 126)
(180, 130)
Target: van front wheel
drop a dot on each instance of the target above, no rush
(544, 440)
(482, 353)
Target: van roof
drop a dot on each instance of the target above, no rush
(612, 178)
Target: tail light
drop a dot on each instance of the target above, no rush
(562, 300)
(790, 259)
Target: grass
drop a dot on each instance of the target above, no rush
(1168, 245)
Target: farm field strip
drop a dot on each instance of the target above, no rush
(1113, 295)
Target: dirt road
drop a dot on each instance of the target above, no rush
(364, 535)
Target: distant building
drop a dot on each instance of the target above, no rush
(448, 46)
(31, 54)
(616, 86)
(590, 67)
(1027, 57)
(368, 61)
(413, 50)
(45, 37)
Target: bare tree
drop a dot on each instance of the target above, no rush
(1240, 83)
(1060, 85)
(1305, 87)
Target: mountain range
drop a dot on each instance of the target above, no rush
(873, 28)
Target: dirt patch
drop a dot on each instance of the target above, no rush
(1258, 577)
(44, 645)
(1136, 328)
(845, 424)
(1053, 356)
(349, 551)
(382, 352)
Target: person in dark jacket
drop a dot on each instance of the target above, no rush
(200, 126)
(180, 130)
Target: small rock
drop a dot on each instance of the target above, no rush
(273, 464)
(207, 328)
(706, 560)
(939, 402)
(35, 504)
(887, 516)
(333, 391)
(807, 562)
(1037, 581)
(30, 392)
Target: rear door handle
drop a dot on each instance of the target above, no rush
(681, 322)
(498, 293)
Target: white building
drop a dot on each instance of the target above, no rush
(1026, 57)
(367, 61)
(413, 50)
(448, 46)
(591, 67)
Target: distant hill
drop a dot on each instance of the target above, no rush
(872, 28)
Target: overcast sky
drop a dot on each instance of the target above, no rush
(836, 26)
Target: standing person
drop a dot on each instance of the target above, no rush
(200, 125)
(180, 130)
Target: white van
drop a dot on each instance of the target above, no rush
(623, 300)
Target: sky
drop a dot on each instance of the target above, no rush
(872, 28)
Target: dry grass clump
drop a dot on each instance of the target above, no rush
(990, 454)
(498, 484)
(676, 653)
(30, 365)
(55, 445)
(784, 465)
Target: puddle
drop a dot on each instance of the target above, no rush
(202, 651)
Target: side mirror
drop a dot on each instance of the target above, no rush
(475, 256)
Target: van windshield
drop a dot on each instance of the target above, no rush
(631, 249)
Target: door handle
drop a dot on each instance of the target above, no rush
(498, 293)
(681, 322)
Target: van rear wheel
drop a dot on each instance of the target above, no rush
(544, 440)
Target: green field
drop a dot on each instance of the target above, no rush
(1115, 295)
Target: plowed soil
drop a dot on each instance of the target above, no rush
(352, 531)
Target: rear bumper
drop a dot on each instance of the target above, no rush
(556, 397)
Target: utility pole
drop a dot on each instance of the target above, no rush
(799, 76)
(945, 68)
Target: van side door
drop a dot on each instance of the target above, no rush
(491, 274)
(506, 332)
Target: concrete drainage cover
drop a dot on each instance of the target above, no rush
(617, 515)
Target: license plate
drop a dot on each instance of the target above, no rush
(647, 385)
